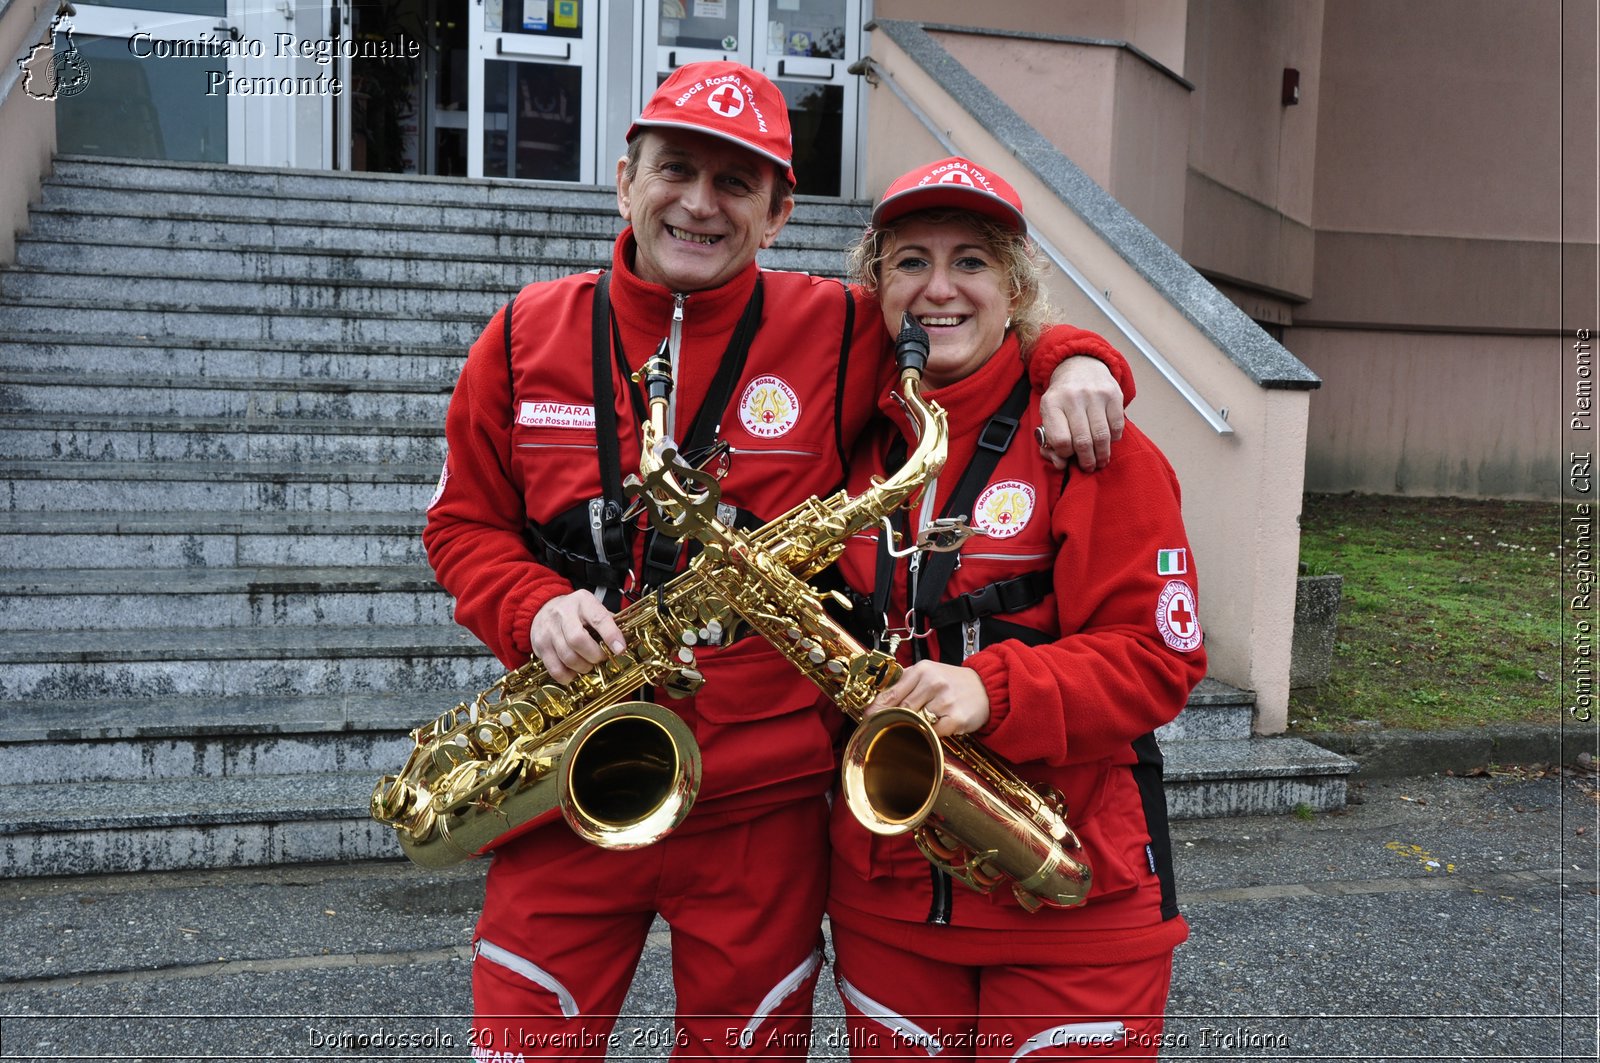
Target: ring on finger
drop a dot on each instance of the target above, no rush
(1044, 440)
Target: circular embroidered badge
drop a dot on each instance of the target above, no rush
(1003, 509)
(768, 408)
(1176, 616)
(727, 100)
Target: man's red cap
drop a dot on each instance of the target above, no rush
(725, 100)
(954, 183)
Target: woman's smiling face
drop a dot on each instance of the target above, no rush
(952, 282)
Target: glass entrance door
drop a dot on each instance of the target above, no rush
(531, 89)
(145, 100)
(806, 48)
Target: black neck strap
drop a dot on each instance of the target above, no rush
(660, 558)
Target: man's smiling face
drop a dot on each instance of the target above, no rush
(700, 208)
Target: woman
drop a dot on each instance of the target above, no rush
(1063, 637)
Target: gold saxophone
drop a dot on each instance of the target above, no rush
(624, 773)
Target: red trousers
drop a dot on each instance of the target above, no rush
(901, 1005)
(564, 924)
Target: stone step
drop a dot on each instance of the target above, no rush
(363, 265)
(61, 226)
(101, 172)
(255, 487)
(1252, 777)
(1215, 711)
(37, 437)
(287, 297)
(443, 290)
(200, 539)
(228, 358)
(163, 661)
(210, 178)
(271, 241)
(179, 737)
(57, 600)
(231, 820)
(133, 394)
(56, 319)
(556, 213)
(202, 822)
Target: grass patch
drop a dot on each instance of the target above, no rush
(1451, 614)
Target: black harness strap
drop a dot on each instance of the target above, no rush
(1002, 596)
(936, 571)
(845, 457)
(605, 513)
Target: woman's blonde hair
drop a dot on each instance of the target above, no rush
(1020, 264)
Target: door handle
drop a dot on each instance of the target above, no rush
(820, 69)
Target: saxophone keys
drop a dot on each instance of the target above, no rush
(522, 717)
(491, 736)
(683, 682)
(450, 753)
(551, 701)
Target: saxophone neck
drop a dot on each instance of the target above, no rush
(929, 424)
(927, 421)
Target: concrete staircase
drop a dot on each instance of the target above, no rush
(222, 394)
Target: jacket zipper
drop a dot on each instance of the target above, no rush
(674, 345)
(939, 912)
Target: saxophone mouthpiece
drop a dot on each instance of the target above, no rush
(911, 346)
(657, 373)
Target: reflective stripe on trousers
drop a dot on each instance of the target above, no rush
(778, 994)
(899, 1025)
(1073, 1033)
(487, 950)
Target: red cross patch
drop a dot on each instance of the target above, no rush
(726, 100)
(1176, 616)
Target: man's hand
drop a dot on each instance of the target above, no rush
(954, 696)
(1082, 414)
(573, 633)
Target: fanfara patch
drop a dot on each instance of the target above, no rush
(1176, 616)
(444, 478)
(769, 407)
(1003, 509)
(556, 415)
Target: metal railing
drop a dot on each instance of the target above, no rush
(1217, 419)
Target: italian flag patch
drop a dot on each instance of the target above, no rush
(1172, 562)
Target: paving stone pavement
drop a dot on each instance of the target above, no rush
(1435, 918)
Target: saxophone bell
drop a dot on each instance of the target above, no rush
(622, 779)
(970, 816)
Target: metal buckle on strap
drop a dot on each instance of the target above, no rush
(997, 433)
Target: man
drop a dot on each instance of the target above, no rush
(526, 532)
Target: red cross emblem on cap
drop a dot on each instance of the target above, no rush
(956, 177)
(726, 100)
